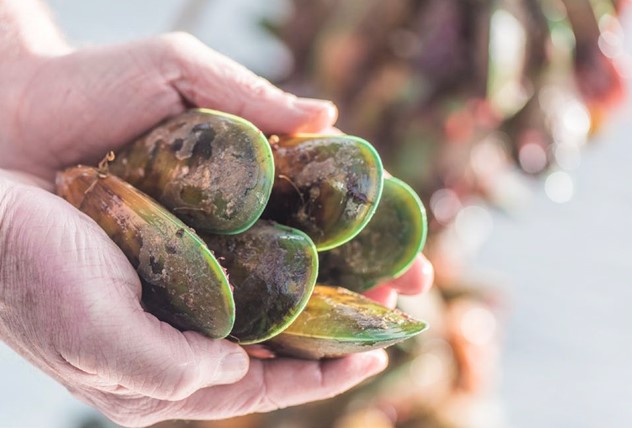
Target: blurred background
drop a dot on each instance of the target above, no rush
(510, 119)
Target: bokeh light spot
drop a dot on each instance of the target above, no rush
(559, 187)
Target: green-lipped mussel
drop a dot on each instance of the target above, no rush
(213, 170)
(338, 322)
(385, 248)
(183, 284)
(326, 186)
(272, 269)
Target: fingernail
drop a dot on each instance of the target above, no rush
(374, 362)
(235, 365)
(326, 109)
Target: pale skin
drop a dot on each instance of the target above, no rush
(69, 300)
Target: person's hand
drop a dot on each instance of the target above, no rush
(69, 303)
(65, 109)
(69, 300)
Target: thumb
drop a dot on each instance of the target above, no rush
(78, 313)
(207, 78)
(120, 343)
(115, 343)
(115, 93)
(153, 359)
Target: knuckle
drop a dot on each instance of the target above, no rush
(176, 41)
(175, 382)
(185, 381)
(249, 91)
(172, 52)
(160, 386)
(255, 86)
(180, 388)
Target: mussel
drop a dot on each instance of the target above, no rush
(272, 269)
(385, 248)
(213, 170)
(337, 322)
(183, 284)
(326, 186)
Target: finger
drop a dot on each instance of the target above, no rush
(150, 358)
(332, 130)
(92, 88)
(417, 279)
(274, 384)
(87, 317)
(89, 92)
(123, 345)
(206, 78)
(384, 295)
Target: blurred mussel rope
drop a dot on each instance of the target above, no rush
(465, 100)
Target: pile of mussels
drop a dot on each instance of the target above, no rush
(244, 227)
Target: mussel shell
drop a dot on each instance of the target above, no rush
(326, 186)
(213, 170)
(183, 284)
(272, 269)
(385, 248)
(337, 322)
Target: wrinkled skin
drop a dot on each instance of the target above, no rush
(69, 300)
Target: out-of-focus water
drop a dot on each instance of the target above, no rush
(568, 354)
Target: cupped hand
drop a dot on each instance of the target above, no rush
(72, 108)
(69, 303)
(69, 300)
